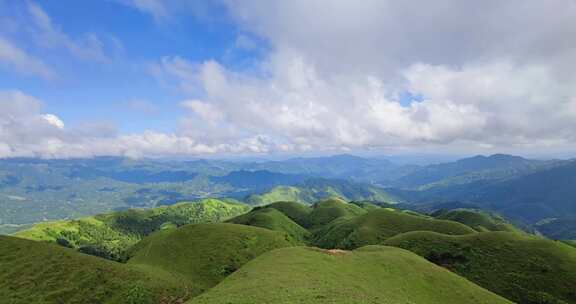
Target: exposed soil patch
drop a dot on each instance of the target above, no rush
(336, 251)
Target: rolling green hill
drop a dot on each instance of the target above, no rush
(522, 268)
(43, 273)
(273, 219)
(110, 235)
(313, 190)
(204, 253)
(480, 221)
(325, 211)
(375, 226)
(373, 274)
(297, 212)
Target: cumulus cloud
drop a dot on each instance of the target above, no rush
(345, 75)
(15, 58)
(26, 131)
(494, 74)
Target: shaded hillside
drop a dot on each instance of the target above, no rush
(523, 268)
(205, 253)
(376, 226)
(38, 272)
(479, 220)
(372, 274)
(297, 212)
(110, 235)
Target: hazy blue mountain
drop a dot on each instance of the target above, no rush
(483, 167)
(35, 190)
(561, 228)
(342, 166)
(258, 180)
(542, 192)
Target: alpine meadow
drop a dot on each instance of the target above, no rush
(287, 151)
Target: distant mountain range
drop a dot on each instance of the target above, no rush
(525, 190)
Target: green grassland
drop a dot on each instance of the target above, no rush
(372, 274)
(480, 221)
(216, 251)
(297, 212)
(377, 225)
(313, 190)
(42, 273)
(328, 210)
(205, 253)
(110, 235)
(273, 219)
(524, 269)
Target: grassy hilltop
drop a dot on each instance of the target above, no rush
(525, 269)
(205, 253)
(273, 219)
(372, 274)
(111, 235)
(37, 272)
(375, 226)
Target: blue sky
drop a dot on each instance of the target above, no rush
(88, 90)
(261, 77)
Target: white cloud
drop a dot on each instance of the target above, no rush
(496, 75)
(15, 58)
(26, 131)
(206, 111)
(53, 120)
(493, 74)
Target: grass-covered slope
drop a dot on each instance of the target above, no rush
(372, 274)
(297, 212)
(324, 212)
(110, 235)
(315, 189)
(273, 219)
(479, 220)
(377, 225)
(205, 253)
(522, 268)
(39, 272)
